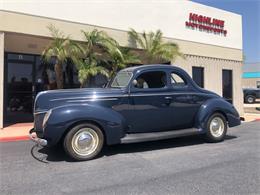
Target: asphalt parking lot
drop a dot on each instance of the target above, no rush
(176, 166)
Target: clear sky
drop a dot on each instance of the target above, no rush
(250, 11)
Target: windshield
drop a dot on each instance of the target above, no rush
(121, 79)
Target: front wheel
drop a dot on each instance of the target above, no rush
(84, 142)
(216, 128)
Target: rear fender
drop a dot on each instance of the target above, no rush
(64, 117)
(216, 105)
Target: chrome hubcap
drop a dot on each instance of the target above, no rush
(85, 141)
(217, 127)
(250, 100)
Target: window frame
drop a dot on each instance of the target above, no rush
(182, 77)
(109, 85)
(138, 73)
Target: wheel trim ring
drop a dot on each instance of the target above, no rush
(217, 127)
(88, 150)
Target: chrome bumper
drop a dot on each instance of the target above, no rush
(34, 138)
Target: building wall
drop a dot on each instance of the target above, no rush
(30, 35)
(250, 82)
(213, 75)
(27, 25)
(169, 16)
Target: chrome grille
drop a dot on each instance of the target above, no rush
(38, 119)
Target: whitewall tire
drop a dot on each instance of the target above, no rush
(84, 142)
(216, 128)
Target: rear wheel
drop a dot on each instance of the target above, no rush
(250, 99)
(216, 128)
(84, 142)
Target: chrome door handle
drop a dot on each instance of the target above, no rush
(168, 98)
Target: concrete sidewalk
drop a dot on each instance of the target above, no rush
(249, 117)
(16, 132)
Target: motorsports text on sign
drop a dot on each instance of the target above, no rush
(207, 24)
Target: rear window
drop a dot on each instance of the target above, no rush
(177, 80)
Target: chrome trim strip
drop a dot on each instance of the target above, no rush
(161, 94)
(40, 112)
(97, 97)
(142, 137)
(89, 97)
(92, 100)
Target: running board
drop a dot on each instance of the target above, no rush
(142, 137)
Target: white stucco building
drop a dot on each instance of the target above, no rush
(210, 39)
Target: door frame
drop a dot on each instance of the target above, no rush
(231, 79)
(6, 61)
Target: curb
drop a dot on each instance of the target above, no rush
(14, 139)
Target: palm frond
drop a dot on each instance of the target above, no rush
(136, 37)
(156, 51)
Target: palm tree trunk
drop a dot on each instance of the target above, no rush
(59, 75)
(113, 72)
(85, 83)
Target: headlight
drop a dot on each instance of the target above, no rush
(46, 117)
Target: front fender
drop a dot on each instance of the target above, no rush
(63, 117)
(216, 105)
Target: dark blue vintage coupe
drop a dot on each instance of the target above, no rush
(143, 103)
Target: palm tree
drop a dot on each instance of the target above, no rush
(155, 50)
(96, 44)
(121, 57)
(61, 47)
(91, 53)
(87, 69)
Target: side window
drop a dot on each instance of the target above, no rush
(153, 79)
(177, 80)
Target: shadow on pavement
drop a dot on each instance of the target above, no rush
(156, 145)
(55, 154)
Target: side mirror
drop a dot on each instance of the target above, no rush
(134, 82)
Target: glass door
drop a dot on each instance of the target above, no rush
(19, 92)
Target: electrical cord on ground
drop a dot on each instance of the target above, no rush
(33, 151)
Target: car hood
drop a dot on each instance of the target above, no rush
(53, 98)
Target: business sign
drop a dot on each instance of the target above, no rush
(206, 24)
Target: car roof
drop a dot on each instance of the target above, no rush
(151, 66)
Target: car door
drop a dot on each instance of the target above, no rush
(186, 101)
(149, 102)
